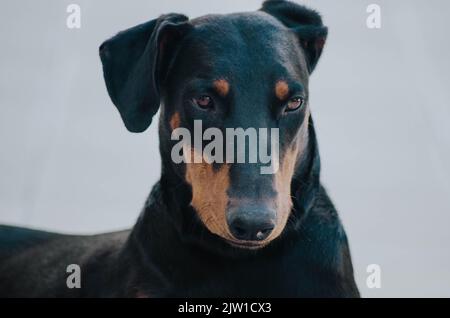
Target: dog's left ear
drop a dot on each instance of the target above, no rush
(306, 23)
(135, 62)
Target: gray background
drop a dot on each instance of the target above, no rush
(380, 99)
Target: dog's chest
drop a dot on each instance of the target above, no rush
(293, 280)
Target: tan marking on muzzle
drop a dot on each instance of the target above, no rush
(281, 89)
(209, 194)
(222, 87)
(175, 121)
(283, 178)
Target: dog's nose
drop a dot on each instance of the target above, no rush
(251, 224)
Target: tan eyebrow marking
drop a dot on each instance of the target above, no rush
(222, 87)
(175, 121)
(281, 89)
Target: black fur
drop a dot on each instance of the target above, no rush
(169, 252)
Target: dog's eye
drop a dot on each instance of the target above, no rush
(203, 101)
(294, 103)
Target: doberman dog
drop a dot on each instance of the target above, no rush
(207, 229)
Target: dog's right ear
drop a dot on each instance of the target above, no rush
(134, 65)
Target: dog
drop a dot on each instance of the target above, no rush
(207, 229)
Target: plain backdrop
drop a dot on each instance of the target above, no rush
(380, 99)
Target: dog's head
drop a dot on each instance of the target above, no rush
(212, 74)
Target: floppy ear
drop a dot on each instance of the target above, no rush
(305, 22)
(134, 64)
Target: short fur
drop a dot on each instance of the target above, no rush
(171, 251)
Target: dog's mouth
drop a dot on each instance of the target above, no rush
(246, 244)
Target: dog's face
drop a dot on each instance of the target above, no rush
(240, 71)
(234, 71)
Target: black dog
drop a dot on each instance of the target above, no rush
(208, 229)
